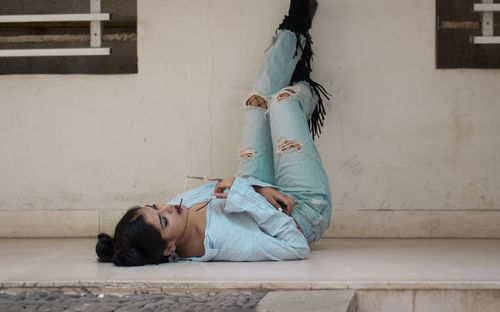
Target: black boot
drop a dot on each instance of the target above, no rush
(299, 20)
(299, 16)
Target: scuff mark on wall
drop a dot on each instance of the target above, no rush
(384, 206)
(349, 202)
(447, 201)
(463, 131)
(352, 166)
(431, 226)
(131, 127)
(477, 195)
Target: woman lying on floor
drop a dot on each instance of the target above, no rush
(279, 202)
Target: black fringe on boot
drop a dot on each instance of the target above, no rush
(303, 70)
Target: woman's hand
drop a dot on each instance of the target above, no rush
(222, 186)
(279, 200)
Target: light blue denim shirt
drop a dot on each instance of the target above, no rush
(245, 227)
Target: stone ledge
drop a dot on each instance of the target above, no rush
(358, 264)
(140, 287)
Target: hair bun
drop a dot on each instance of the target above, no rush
(105, 247)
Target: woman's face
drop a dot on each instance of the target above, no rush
(169, 220)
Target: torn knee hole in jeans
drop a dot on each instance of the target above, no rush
(247, 154)
(287, 93)
(257, 101)
(285, 145)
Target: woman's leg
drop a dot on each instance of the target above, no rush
(277, 69)
(256, 152)
(297, 164)
(255, 157)
(288, 61)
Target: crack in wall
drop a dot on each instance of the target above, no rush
(211, 88)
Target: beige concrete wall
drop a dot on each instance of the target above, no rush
(411, 151)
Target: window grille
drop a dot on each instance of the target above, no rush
(465, 34)
(487, 8)
(95, 17)
(97, 37)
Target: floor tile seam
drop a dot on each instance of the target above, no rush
(318, 285)
(254, 285)
(61, 283)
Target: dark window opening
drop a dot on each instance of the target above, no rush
(119, 34)
(456, 26)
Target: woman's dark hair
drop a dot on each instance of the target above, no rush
(135, 242)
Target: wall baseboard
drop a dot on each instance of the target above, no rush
(345, 223)
(414, 224)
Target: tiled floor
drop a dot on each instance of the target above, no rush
(333, 263)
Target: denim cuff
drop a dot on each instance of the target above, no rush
(256, 182)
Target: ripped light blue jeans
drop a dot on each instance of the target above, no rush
(276, 145)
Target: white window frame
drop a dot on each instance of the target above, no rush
(487, 8)
(95, 17)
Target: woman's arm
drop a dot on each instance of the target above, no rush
(278, 200)
(283, 240)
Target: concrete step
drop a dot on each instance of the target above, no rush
(388, 275)
(308, 301)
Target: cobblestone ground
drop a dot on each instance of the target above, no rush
(56, 301)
